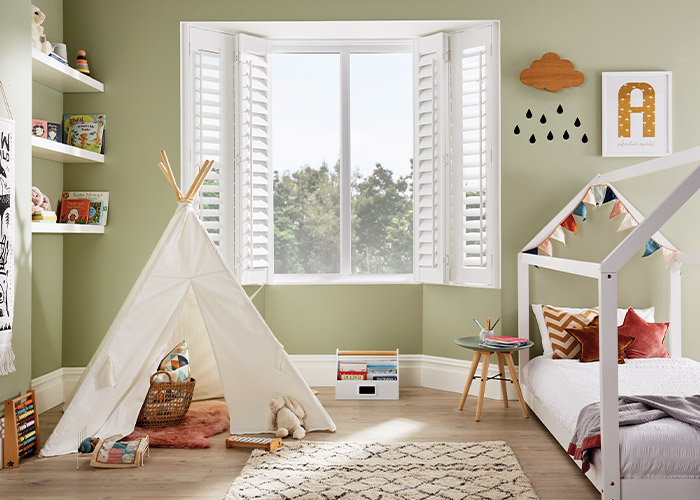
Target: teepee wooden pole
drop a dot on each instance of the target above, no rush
(171, 181)
(200, 180)
(169, 174)
(196, 179)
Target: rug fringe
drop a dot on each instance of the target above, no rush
(7, 360)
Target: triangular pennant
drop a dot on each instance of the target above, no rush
(627, 223)
(558, 235)
(650, 248)
(533, 251)
(599, 194)
(581, 210)
(609, 195)
(589, 197)
(546, 247)
(570, 224)
(618, 209)
(669, 255)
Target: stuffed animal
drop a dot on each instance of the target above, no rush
(40, 202)
(286, 417)
(38, 39)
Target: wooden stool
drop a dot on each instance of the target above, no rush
(503, 357)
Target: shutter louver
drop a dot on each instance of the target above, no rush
(430, 129)
(254, 176)
(473, 183)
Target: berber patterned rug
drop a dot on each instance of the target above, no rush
(378, 471)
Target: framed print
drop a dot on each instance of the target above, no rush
(637, 113)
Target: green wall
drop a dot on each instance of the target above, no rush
(140, 68)
(16, 75)
(47, 249)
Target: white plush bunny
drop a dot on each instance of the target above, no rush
(287, 417)
(38, 39)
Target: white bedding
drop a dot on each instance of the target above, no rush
(663, 448)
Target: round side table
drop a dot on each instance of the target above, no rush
(484, 354)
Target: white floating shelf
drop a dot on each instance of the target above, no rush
(48, 71)
(47, 227)
(57, 151)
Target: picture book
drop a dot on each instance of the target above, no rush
(74, 211)
(53, 131)
(95, 212)
(39, 128)
(102, 196)
(85, 131)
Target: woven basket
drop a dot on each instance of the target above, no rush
(166, 403)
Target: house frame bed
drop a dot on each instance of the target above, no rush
(607, 478)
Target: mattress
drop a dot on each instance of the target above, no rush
(664, 448)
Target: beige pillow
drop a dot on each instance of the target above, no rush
(565, 346)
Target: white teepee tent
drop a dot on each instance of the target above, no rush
(186, 291)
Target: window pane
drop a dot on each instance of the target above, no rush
(381, 152)
(305, 109)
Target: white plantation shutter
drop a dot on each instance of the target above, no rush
(208, 125)
(254, 169)
(474, 222)
(430, 141)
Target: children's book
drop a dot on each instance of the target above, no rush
(53, 131)
(95, 214)
(39, 128)
(74, 211)
(85, 131)
(93, 196)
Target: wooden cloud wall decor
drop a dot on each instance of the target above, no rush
(551, 73)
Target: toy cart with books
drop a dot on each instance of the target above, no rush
(367, 374)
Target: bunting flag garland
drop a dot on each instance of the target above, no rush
(570, 224)
(669, 255)
(581, 210)
(618, 209)
(558, 235)
(589, 198)
(628, 222)
(609, 195)
(650, 248)
(546, 246)
(532, 251)
(599, 193)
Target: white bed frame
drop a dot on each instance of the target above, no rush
(607, 479)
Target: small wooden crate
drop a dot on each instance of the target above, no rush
(269, 444)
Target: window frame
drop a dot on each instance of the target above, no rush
(344, 48)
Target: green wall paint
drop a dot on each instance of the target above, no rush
(140, 68)
(16, 75)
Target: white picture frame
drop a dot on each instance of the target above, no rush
(636, 122)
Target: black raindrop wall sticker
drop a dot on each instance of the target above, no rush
(516, 130)
(577, 123)
(584, 139)
(550, 136)
(566, 135)
(560, 110)
(532, 139)
(528, 115)
(543, 120)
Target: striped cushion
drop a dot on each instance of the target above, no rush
(564, 346)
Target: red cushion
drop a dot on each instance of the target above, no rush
(588, 336)
(649, 337)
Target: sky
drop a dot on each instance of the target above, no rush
(305, 109)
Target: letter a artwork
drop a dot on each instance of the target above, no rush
(625, 109)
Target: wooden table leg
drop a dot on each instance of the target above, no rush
(472, 371)
(502, 371)
(511, 367)
(482, 389)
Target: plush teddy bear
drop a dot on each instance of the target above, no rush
(40, 202)
(38, 39)
(286, 417)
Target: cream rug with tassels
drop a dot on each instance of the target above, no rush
(326, 470)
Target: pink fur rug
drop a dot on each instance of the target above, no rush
(203, 419)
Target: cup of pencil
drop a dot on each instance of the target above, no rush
(489, 330)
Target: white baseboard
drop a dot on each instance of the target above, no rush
(415, 370)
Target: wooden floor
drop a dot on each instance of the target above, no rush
(420, 415)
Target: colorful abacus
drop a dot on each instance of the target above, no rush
(21, 429)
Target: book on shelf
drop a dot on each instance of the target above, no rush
(74, 211)
(352, 367)
(85, 131)
(94, 197)
(95, 215)
(343, 375)
(385, 377)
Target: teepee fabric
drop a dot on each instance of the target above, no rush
(185, 280)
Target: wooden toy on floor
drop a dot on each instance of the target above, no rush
(21, 429)
(269, 444)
